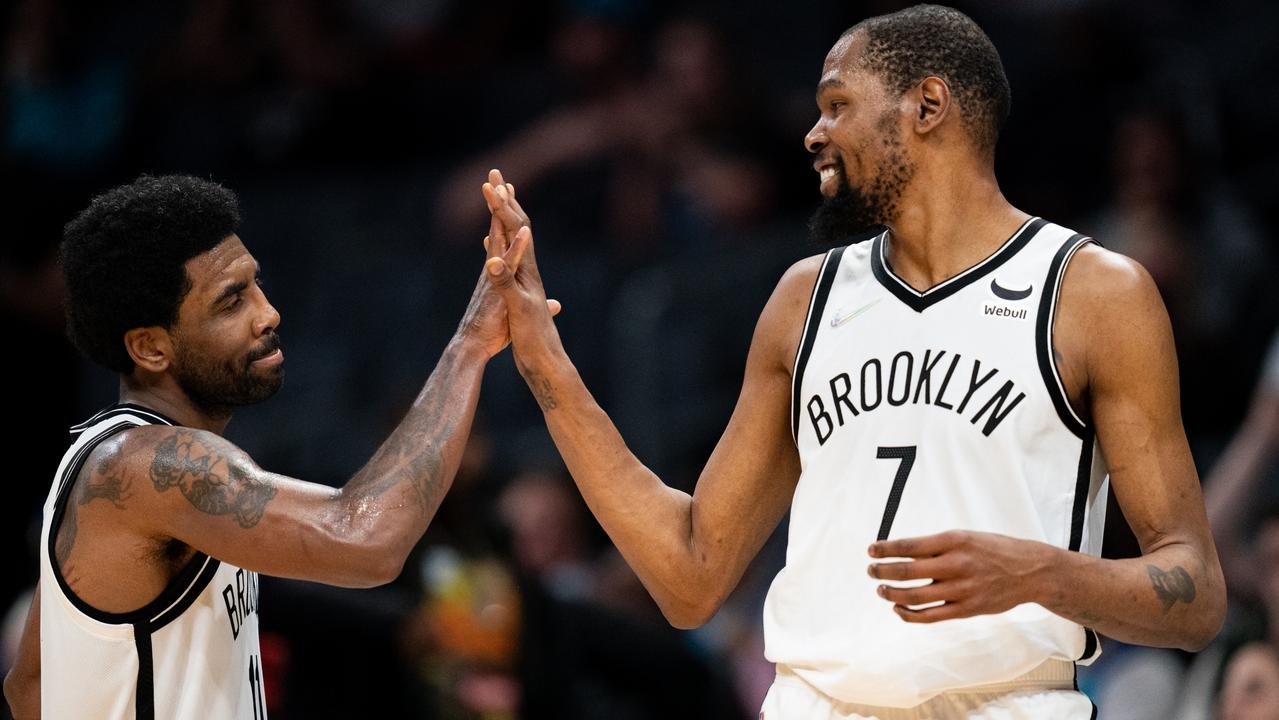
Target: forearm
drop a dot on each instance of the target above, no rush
(650, 523)
(390, 501)
(1169, 597)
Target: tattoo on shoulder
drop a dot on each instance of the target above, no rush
(1172, 585)
(210, 481)
(106, 481)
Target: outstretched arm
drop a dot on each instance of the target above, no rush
(1171, 596)
(689, 551)
(198, 488)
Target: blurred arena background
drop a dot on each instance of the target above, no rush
(657, 146)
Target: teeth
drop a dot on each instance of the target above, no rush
(827, 173)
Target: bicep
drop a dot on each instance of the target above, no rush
(1134, 401)
(749, 481)
(205, 492)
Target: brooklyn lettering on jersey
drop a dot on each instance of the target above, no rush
(241, 599)
(942, 379)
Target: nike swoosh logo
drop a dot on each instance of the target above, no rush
(1003, 292)
(837, 319)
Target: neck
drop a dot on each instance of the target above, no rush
(167, 398)
(949, 220)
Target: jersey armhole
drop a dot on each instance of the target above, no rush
(176, 596)
(812, 322)
(1044, 322)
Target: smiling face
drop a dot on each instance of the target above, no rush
(226, 350)
(863, 165)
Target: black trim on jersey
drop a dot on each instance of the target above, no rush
(178, 594)
(1043, 332)
(816, 308)
(123, 409)
(921, 301)
(1091, 642)
(1075, 682)
(1083, 479)
(144, 695)
(192, 590)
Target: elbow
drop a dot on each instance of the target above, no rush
(1211, 619)
(22, 693)
(686, 617)
(361, 557)
(691, 611)
(386, 568)
(379, 563)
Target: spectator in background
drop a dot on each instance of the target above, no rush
(1240, 483)
(1172, 213)
(1250, 687)
(663, 143)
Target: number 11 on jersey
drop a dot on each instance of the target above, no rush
(906, 454)
(256, 689)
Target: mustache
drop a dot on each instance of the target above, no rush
(269, 345)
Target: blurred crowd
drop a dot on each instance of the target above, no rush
(657, 146)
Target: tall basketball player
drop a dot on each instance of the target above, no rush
(155, 528)
(940, 408)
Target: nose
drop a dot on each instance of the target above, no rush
(268, 318)
(816, 138)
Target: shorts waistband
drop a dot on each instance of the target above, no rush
(1048, 675)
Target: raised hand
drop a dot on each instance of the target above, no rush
(506, 215)
(486, 316)
(512, 268)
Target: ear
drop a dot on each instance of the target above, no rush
(931, 103)
(150, 347)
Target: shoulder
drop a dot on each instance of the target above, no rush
(781, 323)
(159, 454)
(1096, 278)
(796, 284)
(1111, 309)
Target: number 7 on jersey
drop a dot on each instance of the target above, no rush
(906, 454)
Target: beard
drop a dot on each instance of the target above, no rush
(218, 387)
(859, 210)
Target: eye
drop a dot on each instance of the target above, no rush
(837, 105)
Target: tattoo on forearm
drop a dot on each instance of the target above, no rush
(542, 389)
(211, 482)
(107, 482)
(414, 453)
(1172, 585)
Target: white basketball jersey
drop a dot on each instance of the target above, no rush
(190, 653)
(916, 413)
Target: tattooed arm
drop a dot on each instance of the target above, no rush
(689, 551)
(1174, 595)
(1118, 364)
(1118, 361)
(200, 489)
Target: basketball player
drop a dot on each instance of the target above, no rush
(938, 407)
(156, 527)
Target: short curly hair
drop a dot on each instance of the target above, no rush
(909, 45)
(123, 258)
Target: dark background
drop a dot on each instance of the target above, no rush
(658, 147)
